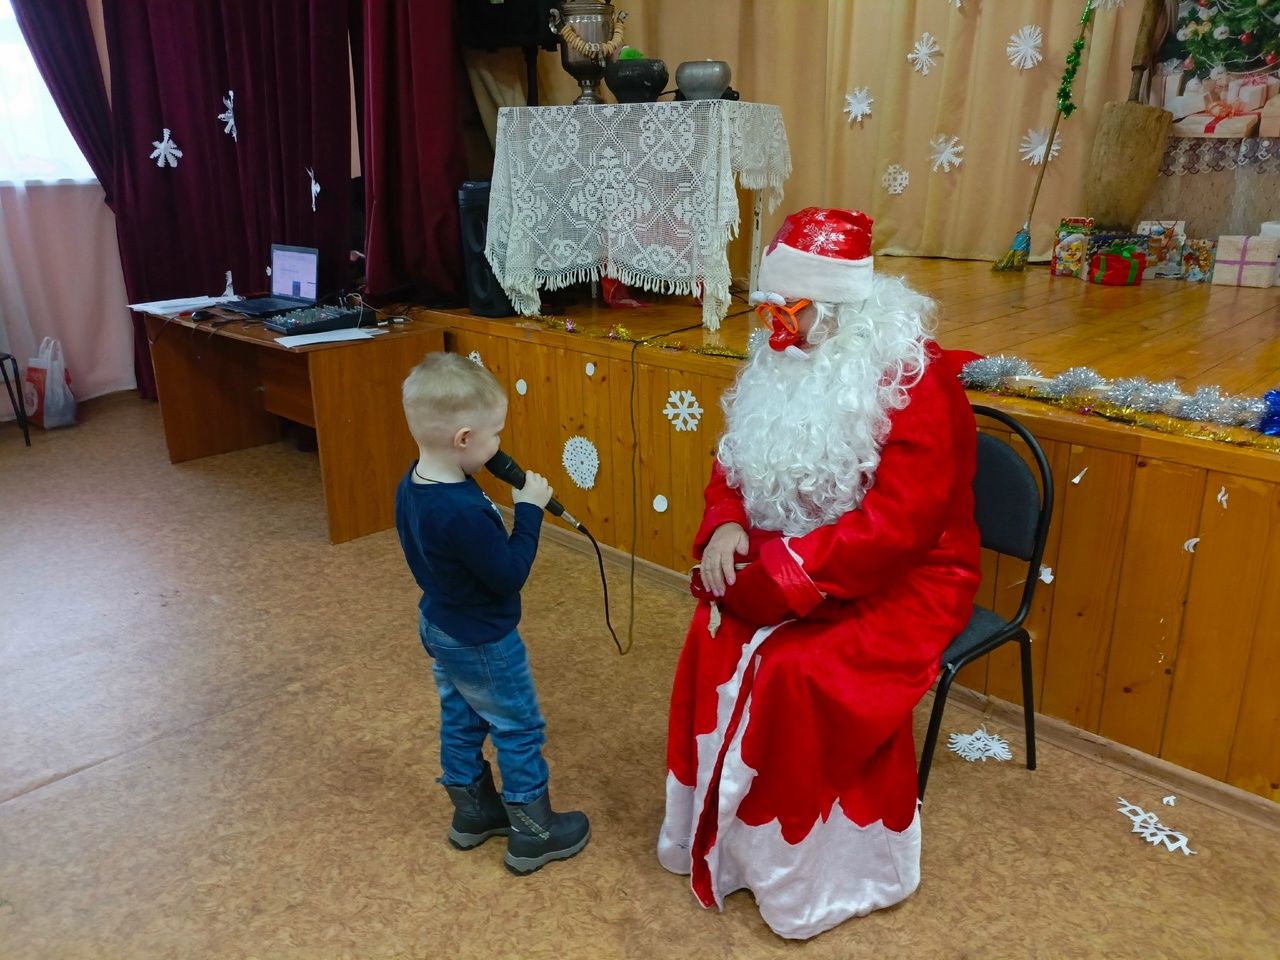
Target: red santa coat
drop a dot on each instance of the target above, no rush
(791, 761)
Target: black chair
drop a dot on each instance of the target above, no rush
(14, 390)
(1013, 519)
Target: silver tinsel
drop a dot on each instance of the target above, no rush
(1206, 405)
(1249, 411)
(1163, 397)
(758, 339)
(1072, 383)
(989, 373)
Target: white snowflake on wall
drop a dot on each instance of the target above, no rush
(955, 3)
(228, 116)
(166, 151)
(682, 410)
(858, 104)
(1034, 143)
(1110, 4)
(315, 188)
(1023, 49)
(944, 152)
(895, 179)
(1148, 826)
(980, 745)
(925, 53)
(474, 357)
(581, 461)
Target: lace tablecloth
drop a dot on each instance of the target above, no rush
(641, 192)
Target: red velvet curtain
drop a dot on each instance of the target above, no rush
(414, 159)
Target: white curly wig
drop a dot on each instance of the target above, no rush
(803, 431)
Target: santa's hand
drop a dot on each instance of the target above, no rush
(727, 543)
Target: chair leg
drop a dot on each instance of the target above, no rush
(16, 400)
(935, 722)
(1028, 699)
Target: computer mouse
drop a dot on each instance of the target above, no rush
(202, 315)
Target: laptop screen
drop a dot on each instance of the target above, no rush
(294, 270)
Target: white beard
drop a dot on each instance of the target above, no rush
(803, 433)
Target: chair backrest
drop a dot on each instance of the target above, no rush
(1012, 510)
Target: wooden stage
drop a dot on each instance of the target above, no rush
(1159, 626)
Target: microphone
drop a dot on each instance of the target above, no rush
(507, 470)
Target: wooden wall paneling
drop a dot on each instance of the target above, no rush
(688, 466)
(1255, 751)
(656, 538)
(623, 443)
(584, 411)
(1094, 520)
(1164, 513)
(1221, 618)
(1004, 673)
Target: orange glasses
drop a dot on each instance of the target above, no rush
(785, 314)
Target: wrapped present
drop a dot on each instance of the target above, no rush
(1220, 122)
(1269, 119)
(1101, 241)
(1246, 261)
(1069, 247)
(1247, 94)
(1197, 260)
(1117, 266)
(1165, 240)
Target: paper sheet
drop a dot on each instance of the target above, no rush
(171, 308)
(326, 336)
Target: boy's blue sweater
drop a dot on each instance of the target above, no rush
(457, 547)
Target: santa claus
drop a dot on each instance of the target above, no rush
(839, 556)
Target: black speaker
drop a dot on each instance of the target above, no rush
(485, 297)
(492, 24)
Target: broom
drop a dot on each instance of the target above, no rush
(1020, 249)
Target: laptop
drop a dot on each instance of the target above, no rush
(293, 283)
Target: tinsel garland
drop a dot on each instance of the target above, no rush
(1207, 414)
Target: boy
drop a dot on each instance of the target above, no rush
(471, 572)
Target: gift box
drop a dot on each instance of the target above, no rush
(1117, 266)
(1100, 242)
(1246, 261)
(1221, 127)
(1070, 247)
(1165, 240)
(1198, 257)
(1269, 119)
(1271, 228)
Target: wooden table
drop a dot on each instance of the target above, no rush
(224, 388)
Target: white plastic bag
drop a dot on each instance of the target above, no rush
(46, 388)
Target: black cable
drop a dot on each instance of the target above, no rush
(605, 585)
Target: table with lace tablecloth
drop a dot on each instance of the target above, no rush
(1220, 187)
(641, 192)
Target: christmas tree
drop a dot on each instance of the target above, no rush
(1229, 36)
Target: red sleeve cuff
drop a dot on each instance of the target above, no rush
(800, 592)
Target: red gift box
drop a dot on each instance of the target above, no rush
(1117, 267)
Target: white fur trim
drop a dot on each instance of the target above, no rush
(810, 276)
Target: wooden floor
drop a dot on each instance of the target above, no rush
(1194, 333)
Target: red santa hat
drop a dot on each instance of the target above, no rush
(819, 254)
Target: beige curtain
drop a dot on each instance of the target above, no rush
(806, 55)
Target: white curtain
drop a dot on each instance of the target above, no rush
(60, 272)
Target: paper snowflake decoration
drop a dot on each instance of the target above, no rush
(166, 151)
(682, 410)
(581, 461)
(315, 188)
(895, 179)
(980, 745)
(1148, 826)
(1034, 143)
(228, 116)
(858, 104)
(945, 152)
(955, 3)
(925, 53)
(1023, 48)
(474, 357)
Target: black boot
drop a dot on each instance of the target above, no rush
(540, 835)
(478, 812)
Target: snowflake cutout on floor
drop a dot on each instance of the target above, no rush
(945, 152)
(1148, 826)
(1023, 48)
(1034, 143)
(315, 188)
(581, 461)
(682, 410)
(895, 179)
(166, 151)
(858, 104)
(925, 53)
(980, 745)
(228, 116)
(474, 357)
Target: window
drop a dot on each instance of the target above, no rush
(35, 143)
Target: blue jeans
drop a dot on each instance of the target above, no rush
(487, 690)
